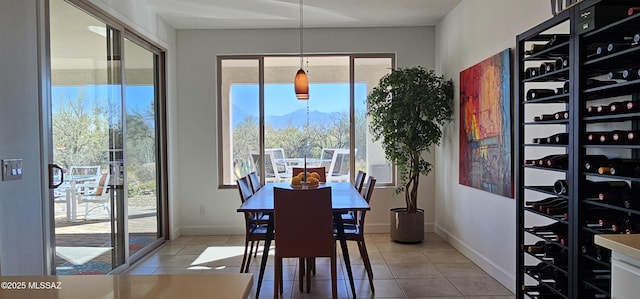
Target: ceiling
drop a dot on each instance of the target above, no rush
(251, 14)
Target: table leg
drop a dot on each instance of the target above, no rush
(265, 254)
(337, 220)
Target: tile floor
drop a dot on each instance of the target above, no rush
(432, 269)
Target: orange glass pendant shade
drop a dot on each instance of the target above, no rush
(301, 85)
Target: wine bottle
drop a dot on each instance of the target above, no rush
(625, 223)
(594, 138)
(602, 187)
(559, 202)
(557, 39)
(625, 167)
(536, 204)
(561, 187)
(525, 247)
(554, 228)
(560, 138)
(596, 110)
(618, 75)
(630, 137)
(565, 87)
(593, 83)
(561, 62)
(616, 47)
(618, 107)
(537, 248)
(540, 271)
(544, 117)
(531, 72)
(558, 210)
(535, 48)
(546, 67)
(633, 74)
(541, 161)
(561, 115)
(593, 162)
(538, 93)
(596, 251)
(633, 10)
(558, 161)
(613, 137)
(542, 140)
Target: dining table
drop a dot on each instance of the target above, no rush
(344, 198)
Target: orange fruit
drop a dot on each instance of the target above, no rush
(296, 180)
(315, 175)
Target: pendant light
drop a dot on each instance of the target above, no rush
(301, 82)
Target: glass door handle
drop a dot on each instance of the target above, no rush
(52, 170)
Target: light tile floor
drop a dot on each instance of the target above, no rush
(432, 269)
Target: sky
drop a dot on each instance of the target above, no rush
(280, 99)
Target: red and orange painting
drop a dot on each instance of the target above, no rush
(485, 125)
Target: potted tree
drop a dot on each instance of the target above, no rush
(407, 110)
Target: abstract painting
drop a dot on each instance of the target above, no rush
(485, 125)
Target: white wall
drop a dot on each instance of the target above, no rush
(197, 169)
(21, 205)
(478, 223)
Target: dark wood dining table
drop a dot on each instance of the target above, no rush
(344, 198)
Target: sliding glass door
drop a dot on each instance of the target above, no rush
(105, 132)
(141, 140)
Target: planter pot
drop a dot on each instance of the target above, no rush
(406, 227)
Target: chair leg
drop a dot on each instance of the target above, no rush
(277, 278)
(301, 271)
(310, 264)
(244, 258)
(246, 267)
(257, 246)
(367, 263)
(334, 279)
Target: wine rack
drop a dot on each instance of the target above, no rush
(578, 147)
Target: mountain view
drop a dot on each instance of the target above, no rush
(297, 118)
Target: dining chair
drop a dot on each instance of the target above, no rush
(359, 182)
(303, 229)
(254, 181)
(254, 231)
(320, 170)
(355, 232)
(350, 216)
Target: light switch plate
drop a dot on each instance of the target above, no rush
(11, 169)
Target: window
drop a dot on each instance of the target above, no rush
(263, 127)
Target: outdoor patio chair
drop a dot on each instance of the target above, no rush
(271, 175)
(339, 168)
(90, 193)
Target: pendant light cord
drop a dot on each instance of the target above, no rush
(301, 36)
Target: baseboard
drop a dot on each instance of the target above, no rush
(383, 228)
(211, 230)
(503, 276)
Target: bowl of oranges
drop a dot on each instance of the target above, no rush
(312, 180)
